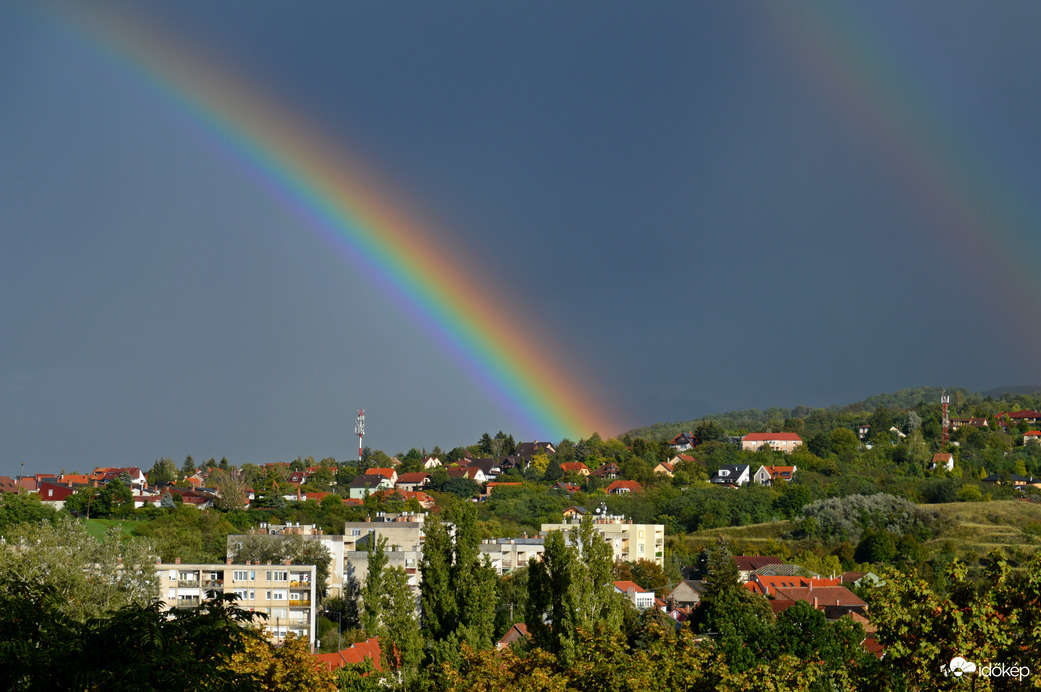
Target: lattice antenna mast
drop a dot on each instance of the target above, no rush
(359, 429)
(944, 403)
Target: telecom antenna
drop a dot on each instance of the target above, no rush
(359, 429)
(944, 402)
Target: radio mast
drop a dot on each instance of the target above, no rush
(359, 429)
(944, 402)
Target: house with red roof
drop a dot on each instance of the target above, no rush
(835, 601)
(683, 442)
(474, 473)
(413, 481)
(942, 460)
(1009, 418)
(1032, 436)
(575, 467)
(53, 494)
(665, 468)
(516, 632)
(768, 475)
(569, 488)
(352, 655)
(390, 474)
(623, 487)
(609, 470)
(633, 592)
(779, 442)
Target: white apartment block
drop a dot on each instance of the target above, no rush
(349, 557)
(285, 593)
(507, 554)
(630, 542)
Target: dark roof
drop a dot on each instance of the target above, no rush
(750, 563)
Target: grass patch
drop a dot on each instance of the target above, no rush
(98, 527)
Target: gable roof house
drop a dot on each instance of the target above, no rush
(835, 601)
(766, 475)
(779, 442)
(686, 594)
(390, 474)
(366, 484)
(526, 450)
(54, 495)
(683, 442)
(639, 596)
(609, 470)
(623, 487)
(474, 473)
(569, 488)
(431, 463)
(748, 564)
(665, 468)
(1032, 435)
(575, 467)
(944, 460)
(413, 481)
(737, 474)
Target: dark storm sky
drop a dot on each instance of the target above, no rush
(709, 206)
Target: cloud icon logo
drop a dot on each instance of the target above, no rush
(959, 666)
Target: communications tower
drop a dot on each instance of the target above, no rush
(359, 429)
(946, 422)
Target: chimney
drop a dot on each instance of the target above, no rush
(229, 561)
(814, 602)
(177, 560)
(288, 561)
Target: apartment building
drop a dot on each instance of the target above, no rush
(349, 556)
(507, 554)
(285, 593)
(630, 542)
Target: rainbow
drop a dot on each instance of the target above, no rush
(371, 228)
(973, 210)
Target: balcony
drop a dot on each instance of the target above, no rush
(300, 585)
(213, 583)
(306, 603)
(187, 602)
(187, 583)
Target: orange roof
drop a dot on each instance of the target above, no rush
(1032, 433)
(764, 437)
(630, 486)
(626, 585)
(386, 473)
(356, 653)
(568, 466)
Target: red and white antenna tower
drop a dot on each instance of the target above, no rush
(359, 429)
(944, 402)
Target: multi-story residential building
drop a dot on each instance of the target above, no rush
(779, 442)
(507, 554)
(630, 542)
(285, 593)
(349, 556)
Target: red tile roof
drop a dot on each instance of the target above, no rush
(764, 437)
(354, 654)
(624, 587)
(623, 486)
(386, 473)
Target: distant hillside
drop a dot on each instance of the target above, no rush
(756, 419)
(997, 392)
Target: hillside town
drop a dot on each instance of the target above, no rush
(791, 549)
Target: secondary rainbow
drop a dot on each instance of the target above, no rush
(366, 224)
(972, 207)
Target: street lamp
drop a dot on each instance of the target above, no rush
(339, 625)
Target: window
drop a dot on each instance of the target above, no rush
(355, 532)
(278, 595)
(240, 575)
(279, 576)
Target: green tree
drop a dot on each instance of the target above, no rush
(372, 591)
(400, 638)
(22, 508)
(163, 471)
(88, 576)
